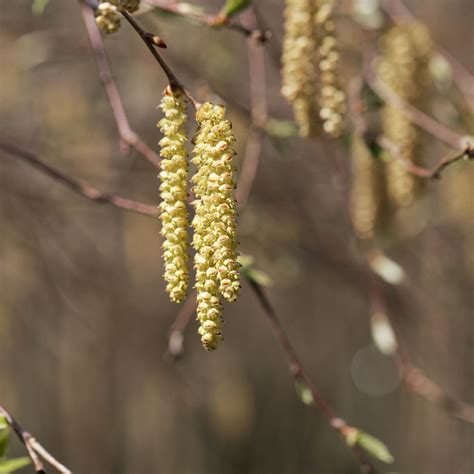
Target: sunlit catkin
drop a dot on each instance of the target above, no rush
(367, 192)
(107, 17)
(299, 73)
(130, 6)
(403, 67)
(214, 223)
(331, 97)
(173, 176)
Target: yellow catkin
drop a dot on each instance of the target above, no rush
(403, 68)
(130, 6)
(214, 223)
(107, 17)
(331, 98)
(299, 73)
(173, 176)
(367, 192)
(309, 67)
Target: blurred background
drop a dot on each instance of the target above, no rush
(84, 318)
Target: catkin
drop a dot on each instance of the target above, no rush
(403, 68)
(107, 17)
(173, 176)
(298, 64)
(214, 223)
(367, 192)
(331, 97)
(309, 67)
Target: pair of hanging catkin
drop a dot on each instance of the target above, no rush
(214, 222)
(381, 184)
(108, 13)
(309, 67)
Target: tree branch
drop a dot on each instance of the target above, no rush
(34, 448)
(83, 189)
(128, 136)
(397, 153)
(209, 20)
(149, 40)
(424, 121)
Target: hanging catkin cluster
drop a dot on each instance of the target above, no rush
(173, 176)
(403, 67)
(108, 13)
(298, 64)
(309, 67)
(214, 223)
(331, 97)
(368, 189)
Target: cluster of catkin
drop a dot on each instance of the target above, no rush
(404, 69)
(214, 223)
(382, 184)
(309, 67)
(108, 17)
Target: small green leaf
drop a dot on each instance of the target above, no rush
(4, 436)
(304, 393)
(11, 465)
(38, 6)
(233, 7)
(374, 447)
(281, 128)
(253, 274)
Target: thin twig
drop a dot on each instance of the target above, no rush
(209, 20)
(128, 136)
(414, 378)
(258, 115)
(424, 121)
(75, 185)
(35, 450)
(176, 337)
(464, 80)
(397, 153)
(148, 39)
(300, 375)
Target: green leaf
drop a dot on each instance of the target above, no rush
(233, 7)
(304, 393)
(252, 273)
(38, 6)
(4, 436)
(281, 128)
(11, 465)
(372, 445)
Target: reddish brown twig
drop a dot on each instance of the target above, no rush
(258, 115)
(148, 39)
(75, 185)
(128, 136)
(435, 173)
(209, 20)
(414, 378)
(464, 80)
(33, 447)
(430, 125)
(299, 374)
(176, 337)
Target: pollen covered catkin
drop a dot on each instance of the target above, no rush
(309, 67)
(173, 177)
(367, 192)
(298, 64)
(331, 98)
(214, 223)
(107, 17)
(403, 68)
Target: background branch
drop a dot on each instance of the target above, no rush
(83, 189)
